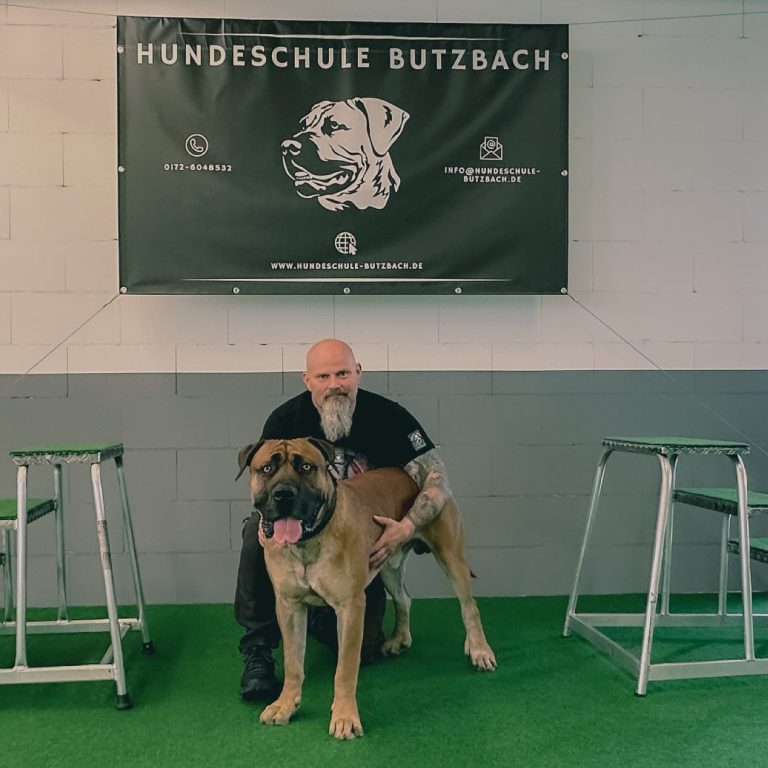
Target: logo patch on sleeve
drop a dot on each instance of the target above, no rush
(417, 440)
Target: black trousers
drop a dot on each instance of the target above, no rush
(255, 597)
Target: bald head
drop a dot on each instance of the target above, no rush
(331, 370)
(329, 349)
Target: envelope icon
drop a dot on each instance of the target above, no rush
(491, 149)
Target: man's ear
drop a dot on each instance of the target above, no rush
(305, 379)
(324, 447)
(246, 455)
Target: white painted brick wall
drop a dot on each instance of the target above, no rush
(279, 319)
(122, 358)
(756, 218)
(30, 52)
(5, 318)
(30, 159)
(62, 106)
(89, 54)
(230, 358)
(643, 267)
(5, 213)
(63, 213)
(668, 212)
(730, 268)
(31, 266)
(62, 13)
(755, 309)
(43, 318)
(91, 265)
(173, 319)
(3, 107)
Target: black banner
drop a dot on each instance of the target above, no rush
(328, 157)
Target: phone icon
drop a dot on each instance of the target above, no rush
(196, 145)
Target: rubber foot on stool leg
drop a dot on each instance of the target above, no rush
(148, 648)
(124, 701)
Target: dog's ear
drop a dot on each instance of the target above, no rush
(246, 455)
(324, 447)
(385, 122)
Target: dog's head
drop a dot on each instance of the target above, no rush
(341, 154)
(289, 484)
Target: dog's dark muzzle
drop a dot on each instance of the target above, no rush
(289, 500)
(283, 500)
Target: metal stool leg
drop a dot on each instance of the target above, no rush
(131, 541)
(593, 502)
(21, 566)
(666, 579)
(665, 499)
(746, 578)
(123, 700)
(61, 573)
(7, 583)
(722, 589)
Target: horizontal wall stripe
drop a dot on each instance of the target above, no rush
(431, 358)
(520, 449)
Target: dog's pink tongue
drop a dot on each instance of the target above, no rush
(287, 530)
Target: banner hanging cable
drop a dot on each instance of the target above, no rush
(686, 390)
(9, 389)
(742, 13)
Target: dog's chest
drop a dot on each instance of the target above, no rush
(300, 575)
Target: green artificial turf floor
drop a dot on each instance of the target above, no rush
(554, 701)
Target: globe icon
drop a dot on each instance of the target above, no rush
(345, 243)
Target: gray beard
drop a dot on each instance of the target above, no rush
(336, 417)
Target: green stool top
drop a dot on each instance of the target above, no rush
(721, 499)
(758, 549)
(673, 445)
(35, 508)
(67, 453)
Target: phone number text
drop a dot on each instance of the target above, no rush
(215, 167)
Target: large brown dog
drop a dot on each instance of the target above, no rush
(319, 533)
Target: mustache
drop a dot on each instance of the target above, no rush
(336, 393)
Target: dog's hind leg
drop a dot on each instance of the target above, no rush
(394, 581)
(445, 536)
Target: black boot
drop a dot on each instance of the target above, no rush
(258, 682)
(321, 624)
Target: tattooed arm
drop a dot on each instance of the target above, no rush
(428, 472)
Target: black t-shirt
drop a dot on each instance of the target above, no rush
(383, 433)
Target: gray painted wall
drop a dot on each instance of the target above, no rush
(520, 450)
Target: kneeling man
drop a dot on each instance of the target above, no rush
(367, 431)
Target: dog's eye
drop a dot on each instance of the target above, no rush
(330, 126)
(307, 467)
(266, 469)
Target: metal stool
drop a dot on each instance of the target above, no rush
(668, 450)
(725, 501)
(36, 508)
(111, 666)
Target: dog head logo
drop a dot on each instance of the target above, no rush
(341, 154)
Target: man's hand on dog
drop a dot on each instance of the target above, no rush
(394, 535)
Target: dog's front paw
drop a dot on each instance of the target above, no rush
(278, 712)
(481, 656)
(345, 722)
